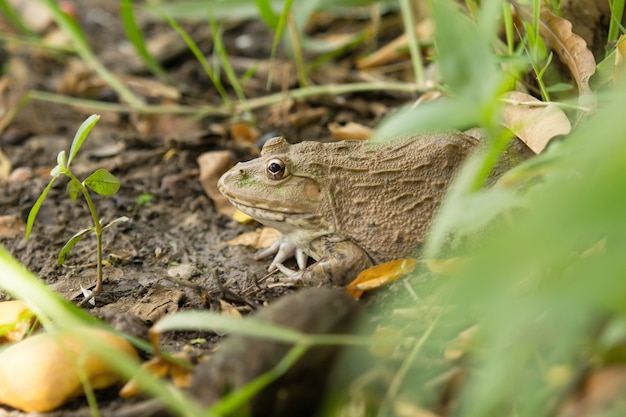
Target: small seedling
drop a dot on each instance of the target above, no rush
(101, 182)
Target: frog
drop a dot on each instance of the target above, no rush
(348, 205)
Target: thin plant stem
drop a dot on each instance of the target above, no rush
(97, 229)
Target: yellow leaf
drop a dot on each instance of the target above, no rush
(241, 217)
(380, 275)
(41, 373)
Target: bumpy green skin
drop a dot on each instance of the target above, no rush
(350, 204)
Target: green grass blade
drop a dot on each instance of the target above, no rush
(225, 61)
(414, 47)
(73, 30)
(32, 215)
(136, 38)
(266, 13)
(81, 135)
(617, 11)
(197, 53)
(69, 245)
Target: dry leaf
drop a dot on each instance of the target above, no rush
(571, 48)
(261, 238)
(40, 373)
(212, 166)
(619, 70)
(5, 168)
(534, 125)
(229, 309)
(16, 320)
(241, 217)
(380, 275)
(601, 390)
(11, 226)
(445, 266)
(398, 48)
(244, 133)
(178, 368)
(350, 131)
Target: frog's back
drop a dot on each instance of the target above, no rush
(385, 196)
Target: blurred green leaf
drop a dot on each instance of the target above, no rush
(136, 38)
(102, 182)
(113, 222)
(266, 12)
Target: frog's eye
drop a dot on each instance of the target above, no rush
(275, 169)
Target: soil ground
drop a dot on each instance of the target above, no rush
(171, 254)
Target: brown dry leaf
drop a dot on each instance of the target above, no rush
(178, 368)
(307, 116)
(40, 373)
(380, 275)
(244, 133)
(261, 238)
(350, 131)
(619, 70)
(159, 301)
(571, 48)
(212, 166)
(534, 125)
(445, 266)
(16, 320)
(229, 309)
(600, 390)
(11, 226)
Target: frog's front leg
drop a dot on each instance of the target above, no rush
(340, 263)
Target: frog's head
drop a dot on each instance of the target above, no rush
(282, 188)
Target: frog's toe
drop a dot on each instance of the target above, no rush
(283, 249)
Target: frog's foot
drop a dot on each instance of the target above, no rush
(340, 266)
(283, 249)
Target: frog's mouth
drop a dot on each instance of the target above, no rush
(276, 214)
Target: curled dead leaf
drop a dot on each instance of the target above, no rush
(571, 48)
(41, 372)
(534, 125)
(212, 166)
(380, 275)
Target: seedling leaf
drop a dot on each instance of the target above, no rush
(115, 221)
(70, 245)
(61, 159)
(102, 182)
(81, 135)
(33, 212)
(73, 188)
